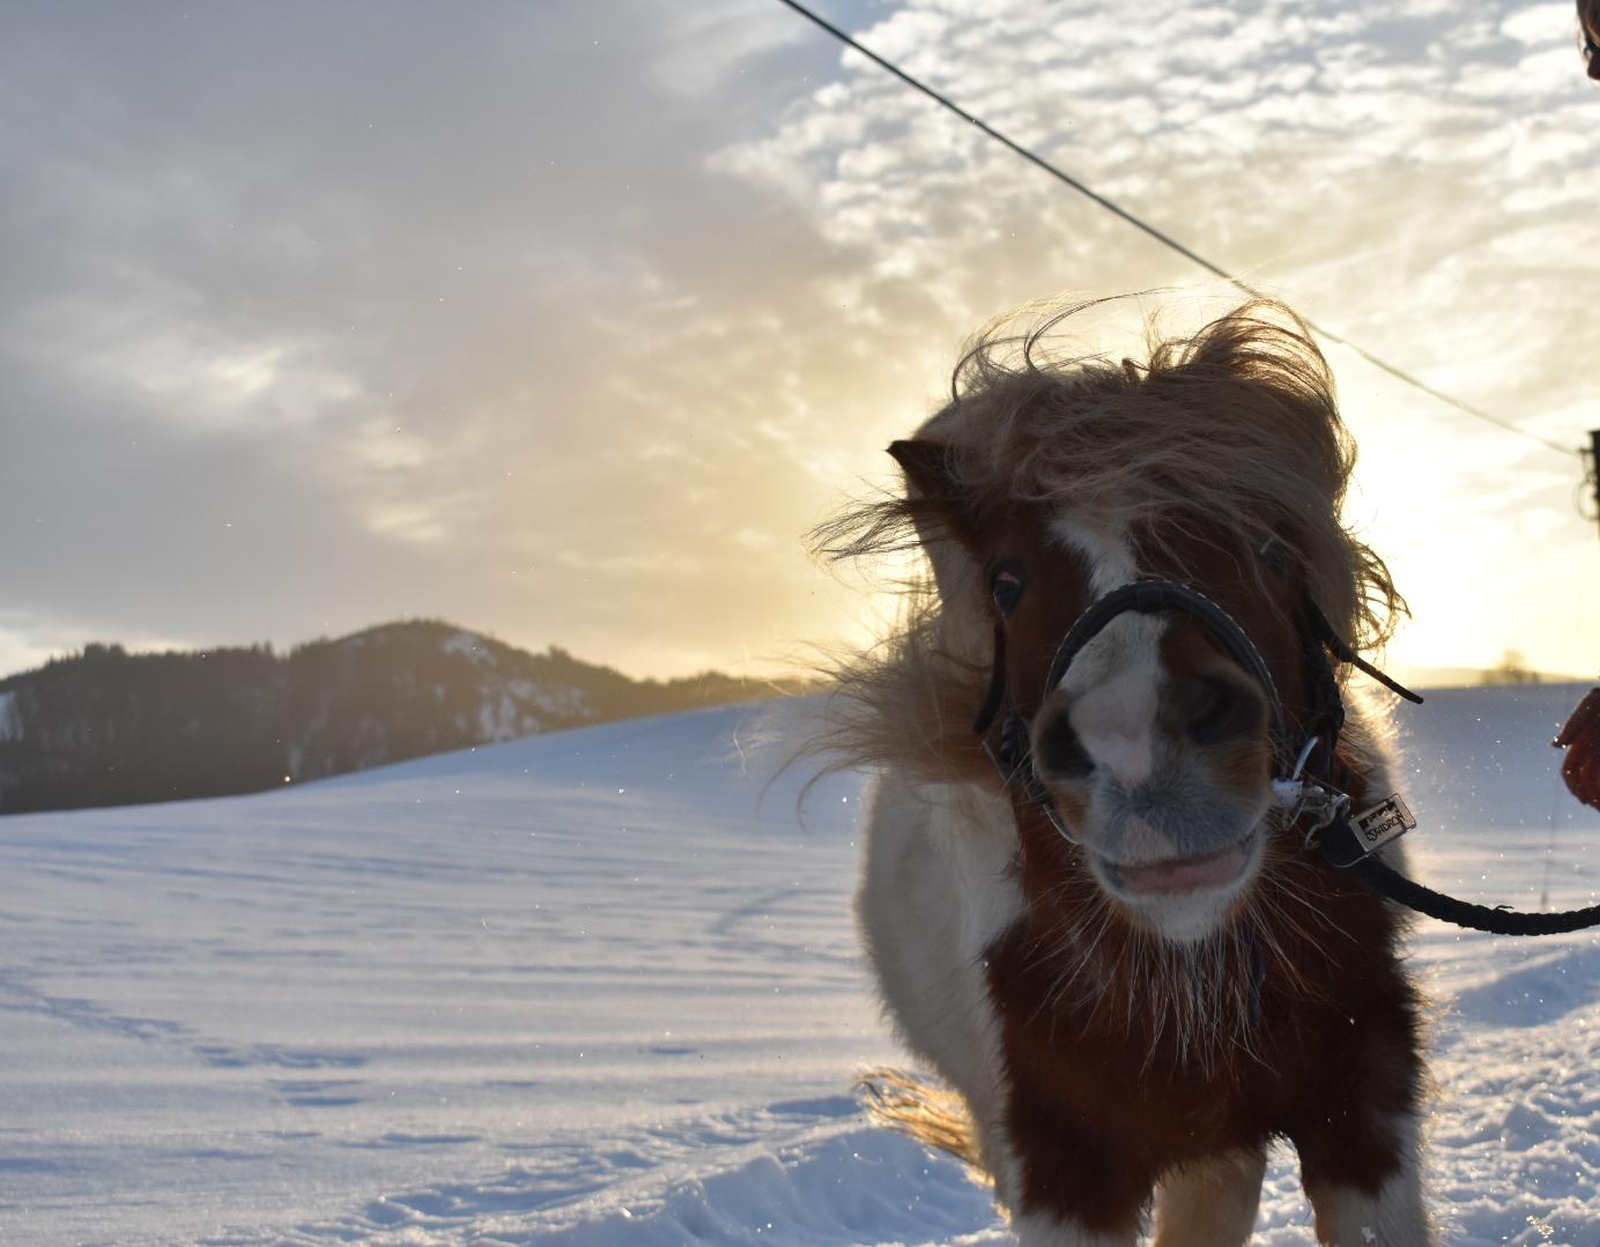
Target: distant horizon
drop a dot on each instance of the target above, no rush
(1414, 675)
(137, 650)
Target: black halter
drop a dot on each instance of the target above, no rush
(1313, 787)
(1012, 753)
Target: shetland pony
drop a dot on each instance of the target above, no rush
(1131, 971)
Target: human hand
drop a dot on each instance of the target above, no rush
(1581, 739)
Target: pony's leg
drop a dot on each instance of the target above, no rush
(1066, 1185)
(1210, 1204)
(1037, 1229)
(1395, 1215)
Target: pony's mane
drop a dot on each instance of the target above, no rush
(1233, 430)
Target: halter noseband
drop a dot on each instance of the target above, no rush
(1150, 597)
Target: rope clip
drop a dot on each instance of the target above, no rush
(1320, 804)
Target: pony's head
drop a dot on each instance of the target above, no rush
(1219, 464)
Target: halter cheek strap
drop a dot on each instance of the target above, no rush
(996, 694)
(1012, 753)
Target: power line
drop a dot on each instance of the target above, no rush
(1161, 236)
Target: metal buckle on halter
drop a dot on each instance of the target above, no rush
(1341, 837)
(1320, 804)
(1322, 808)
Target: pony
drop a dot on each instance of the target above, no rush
(1091, 913)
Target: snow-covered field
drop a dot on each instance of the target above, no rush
(601, 987)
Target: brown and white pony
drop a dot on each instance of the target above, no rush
(1130, 1006)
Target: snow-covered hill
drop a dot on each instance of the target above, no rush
(601, 987)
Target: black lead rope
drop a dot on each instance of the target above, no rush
(1347, 842)
(1340, 844)
(1497, 921)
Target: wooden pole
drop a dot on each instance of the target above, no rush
(1594, 469)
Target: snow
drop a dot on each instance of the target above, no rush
(503, 719)
(567, 702)
(601, 986)
(470, 645)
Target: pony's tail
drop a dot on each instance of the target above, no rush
(931, 1114)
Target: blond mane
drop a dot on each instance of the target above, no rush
(1234, 428)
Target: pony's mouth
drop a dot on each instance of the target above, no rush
(1179, 876)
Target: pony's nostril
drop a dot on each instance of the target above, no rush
(1058, 751)
(1216, 710)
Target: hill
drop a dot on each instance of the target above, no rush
(105, 727)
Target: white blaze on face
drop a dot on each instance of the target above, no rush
(1105, 546)
(1115, 681)
(1114, 685)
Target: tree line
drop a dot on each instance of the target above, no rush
(106, 727)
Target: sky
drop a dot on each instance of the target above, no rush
(565, 321)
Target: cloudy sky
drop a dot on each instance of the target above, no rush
(565, 320)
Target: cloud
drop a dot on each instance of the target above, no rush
(567, 321)
(1416, 179)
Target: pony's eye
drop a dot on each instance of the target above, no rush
(1006, 589)
(1275, 554)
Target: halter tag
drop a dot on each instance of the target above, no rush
(1353, 838)
(1386, 821)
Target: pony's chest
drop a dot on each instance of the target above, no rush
(1208, 1051)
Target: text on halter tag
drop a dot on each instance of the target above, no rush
(1381, 823)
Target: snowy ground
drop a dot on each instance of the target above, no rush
(601, 987)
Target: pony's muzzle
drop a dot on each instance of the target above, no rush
(1213, 710)
(1058, 751)
(1167, 770)
(1211, 715)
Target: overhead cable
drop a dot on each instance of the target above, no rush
(1164, 238)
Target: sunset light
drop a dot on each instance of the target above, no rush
(567, 322)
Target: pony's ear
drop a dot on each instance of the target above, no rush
(932, 480)
(927, 466)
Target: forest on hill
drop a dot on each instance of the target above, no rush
(106, 727)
